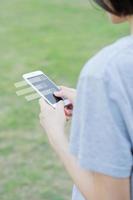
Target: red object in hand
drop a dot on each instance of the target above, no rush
(68, 110)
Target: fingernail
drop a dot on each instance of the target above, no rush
(56, 92)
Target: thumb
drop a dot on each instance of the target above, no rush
(58, 93)
(64, 92)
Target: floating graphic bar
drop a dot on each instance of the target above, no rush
(32, 97)
(20, 84)
(24, 91)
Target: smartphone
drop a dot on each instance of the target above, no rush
(45, 88)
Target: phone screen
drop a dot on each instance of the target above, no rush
(45, 87)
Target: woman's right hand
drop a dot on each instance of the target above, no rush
(69, 93)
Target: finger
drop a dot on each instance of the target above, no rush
(60, 104)
(68, 109)
(63, 91)
(41, 123)
(59, 93)
(62, 87)
(68, 118)
(43, 104)
(68, 113)
(41, 100)
(41, 116)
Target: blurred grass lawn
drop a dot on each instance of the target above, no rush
(58, 37)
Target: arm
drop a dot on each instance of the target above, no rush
(92, 185)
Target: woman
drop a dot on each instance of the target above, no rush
(99, 156)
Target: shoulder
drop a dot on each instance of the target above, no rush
(110, 60)
(112, 67)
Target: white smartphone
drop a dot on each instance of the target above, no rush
(45, 87)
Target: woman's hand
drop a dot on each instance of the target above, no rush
(69, 93)
(53, 121)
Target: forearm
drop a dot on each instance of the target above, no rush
(79, 176)
(92, 185)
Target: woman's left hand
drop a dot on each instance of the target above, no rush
(53, 120)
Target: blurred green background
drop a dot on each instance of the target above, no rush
(57, 37)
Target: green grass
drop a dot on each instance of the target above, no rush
(58, 37)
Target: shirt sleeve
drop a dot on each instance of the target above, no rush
(104, 144)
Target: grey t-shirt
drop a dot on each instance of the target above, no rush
(101, 134)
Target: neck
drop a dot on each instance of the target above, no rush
(131, 25)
